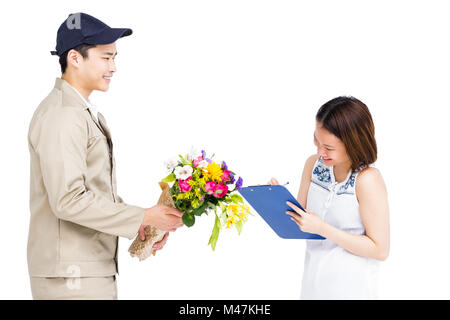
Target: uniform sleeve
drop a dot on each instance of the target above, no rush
(62, 149)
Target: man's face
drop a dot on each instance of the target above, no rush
(98, 67)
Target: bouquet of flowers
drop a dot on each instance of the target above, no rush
(200, 185)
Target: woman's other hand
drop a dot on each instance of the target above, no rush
(307, 221)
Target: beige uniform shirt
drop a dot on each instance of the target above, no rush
(92, 108)
(76, 214)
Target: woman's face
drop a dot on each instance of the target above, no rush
(330, 148)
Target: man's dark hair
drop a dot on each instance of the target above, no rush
(82, 49)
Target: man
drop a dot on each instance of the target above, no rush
(76, 214)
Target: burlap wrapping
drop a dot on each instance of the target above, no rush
(143, 249)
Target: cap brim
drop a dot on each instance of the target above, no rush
(109, 35)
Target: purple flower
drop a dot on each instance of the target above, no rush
(239, 183)
(203, 154)
(209, 160)
(224, 165)
(232, 178)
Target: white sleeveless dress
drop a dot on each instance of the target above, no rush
(332, 272)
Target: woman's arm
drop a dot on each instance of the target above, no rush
(373, 206)
(306, 180)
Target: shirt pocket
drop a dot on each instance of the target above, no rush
(79, 243)
(98, 149)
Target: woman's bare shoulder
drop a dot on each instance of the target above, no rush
(369, 178)
(309, 163)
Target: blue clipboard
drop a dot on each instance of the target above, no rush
(270, 203)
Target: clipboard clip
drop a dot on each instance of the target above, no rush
(263, 185)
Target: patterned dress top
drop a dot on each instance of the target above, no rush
(330, 271)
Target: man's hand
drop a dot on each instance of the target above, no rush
(162, 217)
(159, 245)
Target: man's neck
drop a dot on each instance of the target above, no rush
(74, 83)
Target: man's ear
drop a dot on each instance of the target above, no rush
(74, 58)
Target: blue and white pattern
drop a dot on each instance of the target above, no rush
(322, 176)
(322, 172)
(349, 186)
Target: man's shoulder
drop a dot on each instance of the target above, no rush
(55, 107)
(62, 95)
(53, 112)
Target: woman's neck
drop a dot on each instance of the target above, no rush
(341, 172)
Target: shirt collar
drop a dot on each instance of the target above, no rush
(88, 103)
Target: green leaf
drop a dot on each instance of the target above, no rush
(211, 205)
(239, 227)
(174, 190)
(200, 210)
(170, 178)
(236, 198)
(215, 233)
(183, 160)
(214, 201)
(222, 207)
(188, 219)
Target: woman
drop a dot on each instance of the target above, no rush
(346, 202)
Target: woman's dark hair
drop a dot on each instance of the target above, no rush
(82, 49)
(350, 120)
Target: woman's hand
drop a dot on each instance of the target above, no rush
(307, 221)
(273, 182)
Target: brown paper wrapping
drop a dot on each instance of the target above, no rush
(143, 249)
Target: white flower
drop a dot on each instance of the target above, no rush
(183, 172)
(194, 154)
(231, 186)
(171, 163)
(203, 164)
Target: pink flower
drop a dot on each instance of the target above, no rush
(221, 190)
(225, 176)
(217, 190)
(210, 187)
(197, 161)
(184, 185)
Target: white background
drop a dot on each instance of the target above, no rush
(244, 79)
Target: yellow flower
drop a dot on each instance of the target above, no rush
(235, 213)
(213, 171)
(198, 193)
(231, 221)
(195, 203)
(233, 209)
(184, 196)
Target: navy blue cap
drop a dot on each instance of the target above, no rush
(81, 28)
